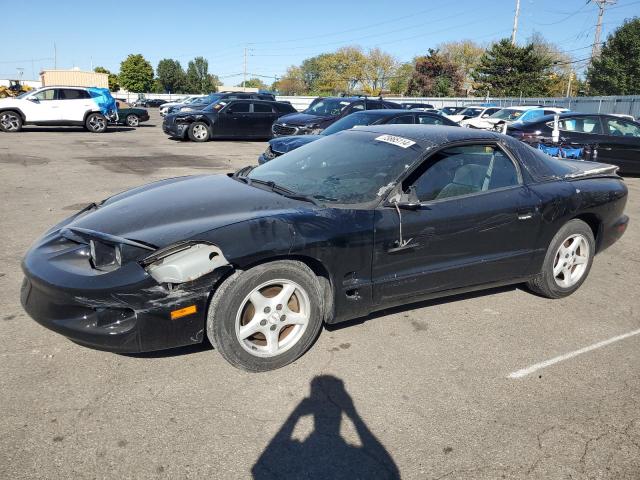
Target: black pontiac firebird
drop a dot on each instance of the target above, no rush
(359, 221)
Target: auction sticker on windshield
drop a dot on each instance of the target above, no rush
(393, 140)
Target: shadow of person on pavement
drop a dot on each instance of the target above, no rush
(324, 454)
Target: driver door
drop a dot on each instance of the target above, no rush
(476, 223)
(232, 120)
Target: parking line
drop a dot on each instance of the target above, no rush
(547, 363)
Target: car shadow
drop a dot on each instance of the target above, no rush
(173, 352)
(110, 129)
(324, 453)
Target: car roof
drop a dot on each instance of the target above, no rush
(430, 134)
(548, 118)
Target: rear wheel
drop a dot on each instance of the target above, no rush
(96, 123)
(132, 120)
(266, 317)
(10, 121)
(567, 262)
(199, 132)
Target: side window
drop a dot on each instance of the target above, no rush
(532, 115)
(262, 108)
(239, 107)
(620, 127)
(45, 95)
(404, 119)
(464, 170)
(374, 105)
(356, 107)
(580, 125)
(429, 120)
(491, 111)
(72, 94)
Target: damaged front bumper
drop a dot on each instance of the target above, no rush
(125, 310)
(178, 130)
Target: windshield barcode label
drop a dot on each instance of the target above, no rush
(393, 140)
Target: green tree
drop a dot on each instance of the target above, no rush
(510, 70)
(617, 71)
(435, 75)
(465, 54)
(136, 74)
(171, 76)
(291, 83)
(254, 83)
(113, 78)
(198, 78)
(399, 83)
(377, 71)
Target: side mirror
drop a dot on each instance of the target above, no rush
(33, 99)
(229, 110)
(406, 201)
(485, 115)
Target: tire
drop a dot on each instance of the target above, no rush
(257, 349)
(10, 121)
(96, 123)
(567, 262)
(199, 132)
(132, 120)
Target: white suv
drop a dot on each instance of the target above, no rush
(87, 107)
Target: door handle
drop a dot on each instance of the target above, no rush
(525, 214)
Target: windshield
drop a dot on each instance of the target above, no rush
(350, 167)
(351, 121)
(508, 114)
(327, 107)
(471, 111)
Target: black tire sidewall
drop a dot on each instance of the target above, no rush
(572, 227)
(86, 123)
(194, 139)
(229, 297)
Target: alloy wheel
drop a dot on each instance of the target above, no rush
(571, 261)
(97, 123)
(200, 132)
(133, 121)
(272, 318)
(9, 121)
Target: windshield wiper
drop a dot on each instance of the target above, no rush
(279, 189)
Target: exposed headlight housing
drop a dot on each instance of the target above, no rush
(105, 256)
(268, 153)
(184, 262)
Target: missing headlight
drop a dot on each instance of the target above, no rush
(104, 256)
(184, 262)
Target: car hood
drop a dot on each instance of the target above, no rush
(298, 119)
(286, 144)
(176, 209)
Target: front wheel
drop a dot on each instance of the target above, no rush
(132, 120)
(567, 262)
(266, 317)
(96, 123)
(10, 121)
(199, 132)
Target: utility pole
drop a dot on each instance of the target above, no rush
(515, 23)
(55, 57)
(244, 74)
(569, 83)
(602, 4)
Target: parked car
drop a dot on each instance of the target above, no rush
(280, 145)
(323, 111)
(164, 108)
(130, 116)
(226, 119)
(474, 112)
(203, 102)
(510, 115)
(92, 108)
(356, 222)
(609, 138)
(416, 106)
(154, 102)
(451, 110)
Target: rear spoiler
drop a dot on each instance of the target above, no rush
(594, 172)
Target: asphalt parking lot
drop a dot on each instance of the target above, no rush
(429, 391)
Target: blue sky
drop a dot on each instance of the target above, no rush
(279, 35)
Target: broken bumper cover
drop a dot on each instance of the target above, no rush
(178, 130)
(123, 311)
